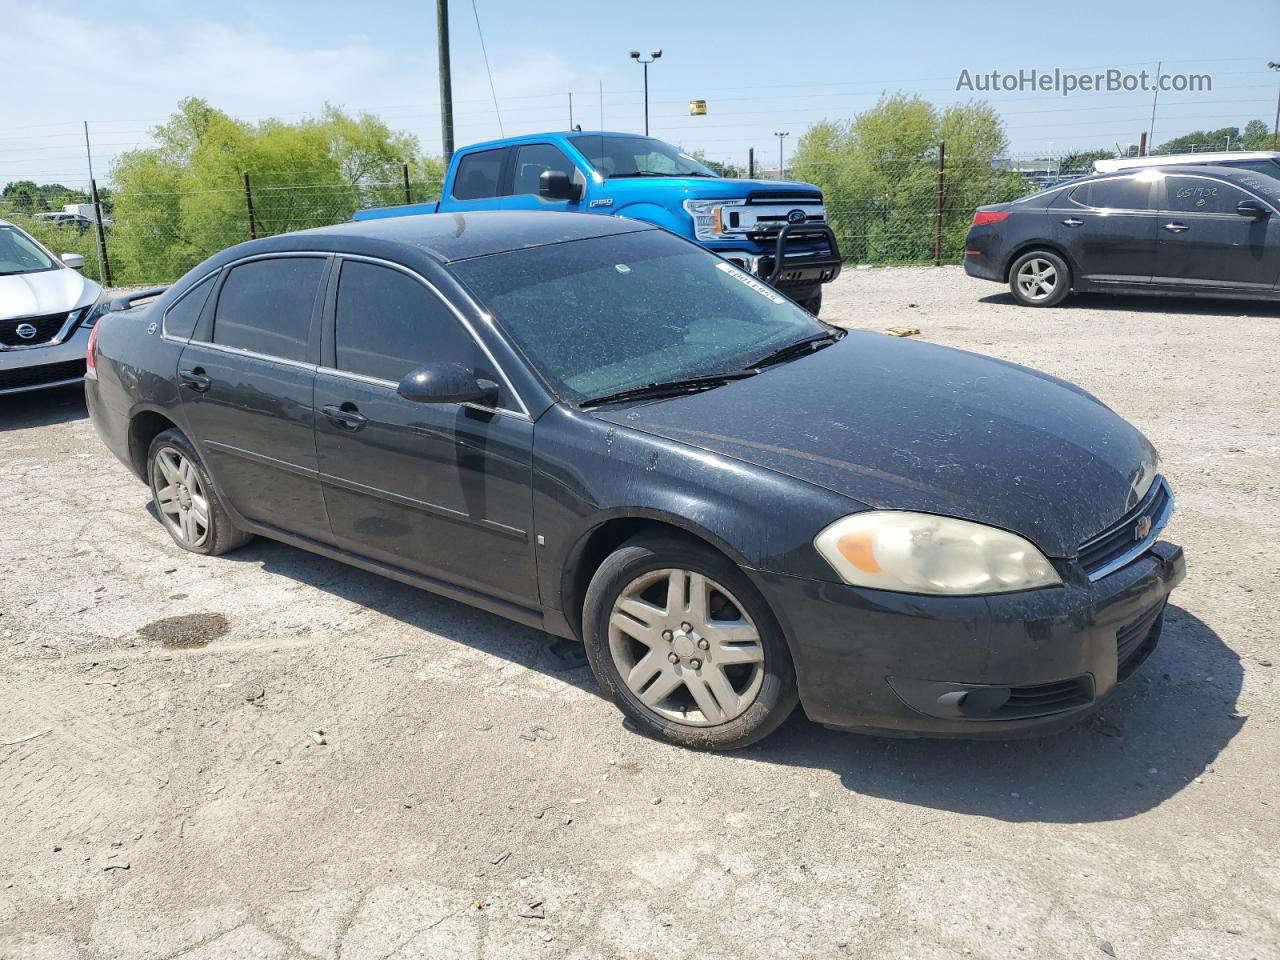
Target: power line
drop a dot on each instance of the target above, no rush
(493, 91)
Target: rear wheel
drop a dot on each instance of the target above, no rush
(1039, 279)
(685, 645)
(185, 499)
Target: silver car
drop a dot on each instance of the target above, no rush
(46, 311)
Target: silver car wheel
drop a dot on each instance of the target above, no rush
(686, 648)
(1037, 279)
(180, 497)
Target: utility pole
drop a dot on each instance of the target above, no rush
(785, 133)
(751, 163)
(654, 55)
(1275, 135)
(446, 80)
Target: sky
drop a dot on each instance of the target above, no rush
(761, 67)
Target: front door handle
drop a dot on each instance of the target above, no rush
(195, 379)
(1073, 222)
(1176, 227)
(345, 415)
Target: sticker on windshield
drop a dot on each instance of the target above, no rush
(750, 281)
(622, 268)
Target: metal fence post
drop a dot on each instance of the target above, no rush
(937, 213)
(248, 202)
(408, 193)
(102, 237)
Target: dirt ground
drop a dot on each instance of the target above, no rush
(316, 762)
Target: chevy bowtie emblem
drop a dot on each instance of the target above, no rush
(1143, 528)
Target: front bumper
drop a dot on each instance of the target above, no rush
(995, 666)
(795, 256)
(47, 365)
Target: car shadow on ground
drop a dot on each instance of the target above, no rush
(1174, 717)
(1130, 303)
(42, 408)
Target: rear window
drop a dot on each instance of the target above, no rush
(265, 306)
(479, 175)
(1122, 193)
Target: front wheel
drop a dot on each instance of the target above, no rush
(1039, 279)
(686, 646)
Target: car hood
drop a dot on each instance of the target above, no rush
(44, 292)
(898, 424)
(705, 188)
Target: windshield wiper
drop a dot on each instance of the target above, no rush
(799, 348)
(668, 388)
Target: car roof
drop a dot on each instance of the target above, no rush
(534, 137)
(1205, 169)
(447, 237)
(1130, 163)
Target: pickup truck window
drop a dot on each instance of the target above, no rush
(608, 314)
(625, 156)
(479, 175)
(265, 306)
(532, 160)
(387, 323)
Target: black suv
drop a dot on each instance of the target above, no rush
(1181, 230)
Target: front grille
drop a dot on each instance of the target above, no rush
(796, 198)
(1122, 539)
(47, 328)
(1135, 642)
(1045, 698)
(38, 376)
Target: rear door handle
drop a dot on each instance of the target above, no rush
(1176, 227)
(195, 380)
(1073, 222)
(345, 416)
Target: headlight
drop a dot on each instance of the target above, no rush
(708, 222)
(96, 310)
(923, 553)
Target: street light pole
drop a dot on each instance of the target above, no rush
(654, 55)
(781, 169)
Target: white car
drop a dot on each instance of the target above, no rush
(46, 311)
(1266, 162)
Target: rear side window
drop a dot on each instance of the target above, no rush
(1124, 193)
(387, 323)
(180, 319)
(1199, 195)
(265, 306)
(479, 175)
(532, 160)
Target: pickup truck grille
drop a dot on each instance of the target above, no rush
(47, 328)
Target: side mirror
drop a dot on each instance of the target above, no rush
(557, 185)
(1252, 209)
(447, 383)
(73, 260)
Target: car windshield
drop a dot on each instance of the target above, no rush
(600, 316)
(615, 157)
(20, 254)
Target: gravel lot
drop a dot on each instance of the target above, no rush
(321, 763)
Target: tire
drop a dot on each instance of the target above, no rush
(813, 304)
(722, 691)
(179, 484)
(1039, 278)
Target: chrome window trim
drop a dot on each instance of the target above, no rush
(251, 354)
(523, 412)
(164, 318)
(1141, 547)
(377, 382)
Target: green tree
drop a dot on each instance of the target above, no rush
(1081, 161)
(879, 174)
(1256, 136)
(1203, 141)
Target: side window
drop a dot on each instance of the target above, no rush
(479, 175)
(532, 159)
(386, 323)
(1199, 195)
(1123, 193)
(265, 306)
(180, 319)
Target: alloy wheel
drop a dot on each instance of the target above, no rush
(686, 648)
(180, 497)
(1037, 279)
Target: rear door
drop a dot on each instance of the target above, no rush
(1205, 244)
(528, 162)
(247, 378)
(1109, 228)
(479, 182)
(443, 489)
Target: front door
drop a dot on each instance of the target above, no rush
(443, 490)
(529, 162)
(1205, 243)
(1109, 227)
(247, 380)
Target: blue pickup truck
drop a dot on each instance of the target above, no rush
(775, 230)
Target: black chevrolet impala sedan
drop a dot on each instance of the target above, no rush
(596, 428)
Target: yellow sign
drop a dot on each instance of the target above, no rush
(697, 108)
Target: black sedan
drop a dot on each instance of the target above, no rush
(1206, 231)
(594, 427)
